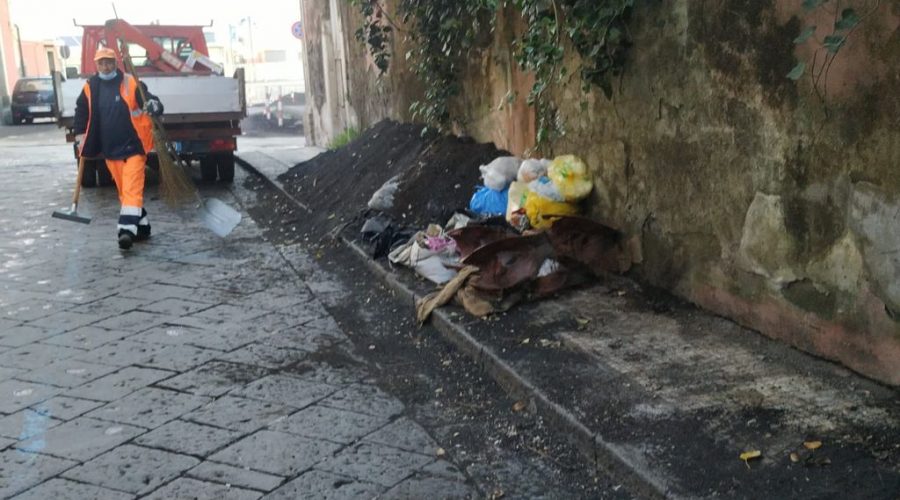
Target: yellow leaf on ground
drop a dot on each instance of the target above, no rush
(519, 406)
(748, 455)
(794, 457)
(812, 445)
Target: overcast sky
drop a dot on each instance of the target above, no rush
(47, 19)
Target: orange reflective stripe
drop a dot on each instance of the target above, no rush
(87, 130)
(140, 120)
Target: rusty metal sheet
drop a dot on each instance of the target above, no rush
(509, 262)
(471, 238)
(596, 246)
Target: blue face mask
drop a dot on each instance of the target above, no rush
(107, 76)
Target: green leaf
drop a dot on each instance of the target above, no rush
(812, 4)
(849, 19)
(808, 32)
(797, 72)
(834, 43)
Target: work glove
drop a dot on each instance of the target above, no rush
(153, 107)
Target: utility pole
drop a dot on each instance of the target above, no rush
(21, 56)
(252, 51)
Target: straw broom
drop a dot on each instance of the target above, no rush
(175, 186)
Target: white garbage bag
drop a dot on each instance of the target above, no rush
(500, 172)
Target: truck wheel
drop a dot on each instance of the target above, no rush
(153, 163)
(226, 167)
(104, 177)
(151, 176)
(208, 169)
(89, 178)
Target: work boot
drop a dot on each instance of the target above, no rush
(143, 233)
(126, 239)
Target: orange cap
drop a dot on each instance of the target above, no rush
(104, 53)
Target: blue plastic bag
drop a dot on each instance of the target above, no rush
(486, 201)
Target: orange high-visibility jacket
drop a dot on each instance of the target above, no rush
(140, 121)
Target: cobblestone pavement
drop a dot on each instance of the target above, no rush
(189, 367)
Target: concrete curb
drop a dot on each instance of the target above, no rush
(250, 168)
(606, 456)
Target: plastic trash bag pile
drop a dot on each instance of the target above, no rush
(534, 192)
(521, 238)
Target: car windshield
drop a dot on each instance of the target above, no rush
(42, 85)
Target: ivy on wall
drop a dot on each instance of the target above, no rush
(446, 32)
(845, 20)
(375, 32)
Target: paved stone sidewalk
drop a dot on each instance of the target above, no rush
(190, 367)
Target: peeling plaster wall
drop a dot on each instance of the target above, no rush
(483, 109)
(750, 195)
(749, 200)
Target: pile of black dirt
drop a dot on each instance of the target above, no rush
(437, 174)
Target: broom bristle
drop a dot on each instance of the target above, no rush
(175, 186)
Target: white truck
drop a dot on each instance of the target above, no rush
(203, 108)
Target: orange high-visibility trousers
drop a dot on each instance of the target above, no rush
(129, 177)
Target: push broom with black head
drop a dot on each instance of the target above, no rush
(72, 214)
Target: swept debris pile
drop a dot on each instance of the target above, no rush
(436, 174)
(490, 228)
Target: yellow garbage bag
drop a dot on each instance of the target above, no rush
(571, 177)
(541, 210)
(518, 192)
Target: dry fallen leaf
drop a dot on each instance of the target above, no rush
(812, 445)
(582, 321)
(794, 457)
(527, 341)
(440, 452)
(750, 455)
(519, 406)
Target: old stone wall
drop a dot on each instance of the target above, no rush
(751, 195)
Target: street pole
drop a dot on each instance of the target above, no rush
(252, 52)
(249, 21)
(21, 57)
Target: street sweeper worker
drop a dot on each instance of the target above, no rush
(112, 122)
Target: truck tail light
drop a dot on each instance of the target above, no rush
(222, 145)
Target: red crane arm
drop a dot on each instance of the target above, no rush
(117, 29)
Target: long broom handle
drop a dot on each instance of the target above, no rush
(126, 60)
(78, 181)
(157, 125)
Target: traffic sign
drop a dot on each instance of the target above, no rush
(297, 30)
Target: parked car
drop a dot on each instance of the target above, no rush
(33, 98)
(294, 107)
